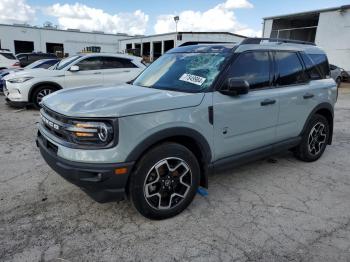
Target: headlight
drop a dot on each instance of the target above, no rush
(19, 80)
(98, 133)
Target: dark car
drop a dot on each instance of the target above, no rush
(44, 63)
(28, 58)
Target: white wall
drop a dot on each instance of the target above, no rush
(267, 27)
(333, 35)
(73, 41)
(188, 37)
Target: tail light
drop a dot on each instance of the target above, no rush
(16, 64)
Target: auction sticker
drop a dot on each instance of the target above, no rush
(193, 79)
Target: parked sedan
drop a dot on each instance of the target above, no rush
(82, 70)
(336, 74)
(8, 60)
(26, 59)
(44, 63)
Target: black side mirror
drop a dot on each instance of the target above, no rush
(235, 87)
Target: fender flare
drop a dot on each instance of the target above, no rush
(164, 134)
(173, 132)
(31, 90)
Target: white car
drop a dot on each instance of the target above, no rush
(81, 70)
(8, 60)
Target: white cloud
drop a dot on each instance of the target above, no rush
(87, 18)
(219, 18)
(16, 11)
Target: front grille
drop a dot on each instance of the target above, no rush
(55, 124)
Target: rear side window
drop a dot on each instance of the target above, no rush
(8, 56)
(311, 69)
(321, 61)
(114, 62)
(290, 69)
(254, 67)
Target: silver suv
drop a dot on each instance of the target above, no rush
(195, 110)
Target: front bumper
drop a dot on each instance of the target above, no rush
(16, 93)
(99, 181)
(16, 104)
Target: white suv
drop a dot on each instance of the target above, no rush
(81, 70)
(8, 60)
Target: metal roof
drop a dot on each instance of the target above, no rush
(339, 8)
(188, 32)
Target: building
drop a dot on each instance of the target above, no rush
(153, 46)
(25, 38)
(328, 28)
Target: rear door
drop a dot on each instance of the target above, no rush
(296, 94)
(119, 70)
(89, 74)
(246, 122)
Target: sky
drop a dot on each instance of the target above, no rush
(155, 16)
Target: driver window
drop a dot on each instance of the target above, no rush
(253, 67)
(91, 63)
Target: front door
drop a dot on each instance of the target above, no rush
(90, 73)
(246, 122)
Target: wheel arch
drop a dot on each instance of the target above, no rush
(187, 137)
(37, 85)
(326, 110)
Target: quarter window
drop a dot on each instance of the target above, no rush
(321, 61)
(114, 62)
(253, 67)
(311, 69)
(91, 63)
(290, 70)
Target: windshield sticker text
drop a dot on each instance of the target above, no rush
(193, 79)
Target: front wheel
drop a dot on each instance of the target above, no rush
(314, 140)
(165, 181)
(40, 93)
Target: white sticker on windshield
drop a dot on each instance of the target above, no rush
(193, 79)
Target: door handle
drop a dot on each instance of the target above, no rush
(97, 73)
(267, 102)
(308, 96)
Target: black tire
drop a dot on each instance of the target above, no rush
(39, 93)
(314, 140)
(146, 169)
(338, 81)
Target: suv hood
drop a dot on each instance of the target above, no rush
(118, 101)
(35, 72)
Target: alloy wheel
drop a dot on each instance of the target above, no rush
(167, 183)
(42, 93)
(317, 139)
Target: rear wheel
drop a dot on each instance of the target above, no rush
(314, 140)
(165, 181)
(40, 93)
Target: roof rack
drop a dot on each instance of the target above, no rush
(257, 40)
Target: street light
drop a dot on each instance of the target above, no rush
(176, 19)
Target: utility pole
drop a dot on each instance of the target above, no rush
(176, 19)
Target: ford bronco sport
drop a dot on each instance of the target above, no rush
(196, 109)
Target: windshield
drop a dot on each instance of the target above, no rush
(34, 64)
(186, 72)
(65, 62)
(8, 56)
